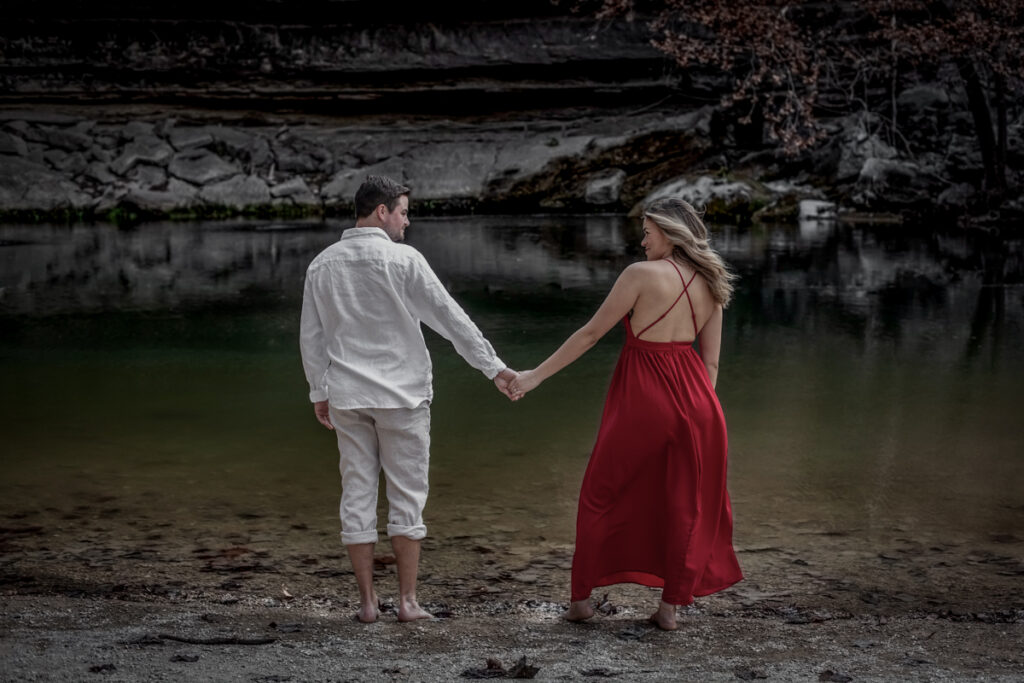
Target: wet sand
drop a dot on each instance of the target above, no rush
(94, 591)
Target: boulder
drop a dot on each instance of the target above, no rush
(36, 152)
(84, 127)
(341, 189)
(816, 209)
(295, 189)
(605, 187)
(238, 192)
(237, 142)
(711, 193)
(147, 176)
(291, 161)
(201, 167)
(144, 149)
(164, 127)
(259, 152)
(99, 172)
(110, 199)
(922, 99)
(25, 185)
(134, 130)
(956, 196)
(177, 196)
(444, 170)
(73, 164)
(100, 154)
(55, 157)
(856, 145)
(892, 183)
(12, 144)
(187, 138)
(65, 138)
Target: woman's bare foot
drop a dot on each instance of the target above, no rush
(369, 611)
(410, 610)
(665, 617)
(579, 611)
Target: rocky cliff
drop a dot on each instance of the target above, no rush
(145, 111)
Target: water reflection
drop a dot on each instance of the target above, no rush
(869, 374)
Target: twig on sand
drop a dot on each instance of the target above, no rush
(227, 640)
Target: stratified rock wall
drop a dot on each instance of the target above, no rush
(145, 109)
(167, 166)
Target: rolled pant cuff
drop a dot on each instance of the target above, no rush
(358, 537)
(415, 533)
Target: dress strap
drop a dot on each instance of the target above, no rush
(693, 315)
(686, 286)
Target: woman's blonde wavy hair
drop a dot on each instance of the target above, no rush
(690, 243)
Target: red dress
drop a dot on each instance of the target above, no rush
(653, 507)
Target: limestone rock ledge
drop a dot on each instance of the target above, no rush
(150, 164)
(52, 163)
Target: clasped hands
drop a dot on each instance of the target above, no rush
(514, 384)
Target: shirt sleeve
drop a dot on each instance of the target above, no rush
(432, 304)
(311, 344)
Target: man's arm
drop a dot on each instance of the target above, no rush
(431, 303)
(314, 354)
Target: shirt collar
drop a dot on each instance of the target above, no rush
(349, 233)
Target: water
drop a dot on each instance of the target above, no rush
(870, 376)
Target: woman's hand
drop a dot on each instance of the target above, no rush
(524, 382)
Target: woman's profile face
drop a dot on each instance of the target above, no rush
(655, 244)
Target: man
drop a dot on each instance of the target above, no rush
(369, 377)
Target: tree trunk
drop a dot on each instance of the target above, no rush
(978, 104)
(1000, 84)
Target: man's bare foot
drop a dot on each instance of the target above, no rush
(665, 617)
(578, 611)
(410, 610)
(369, 611)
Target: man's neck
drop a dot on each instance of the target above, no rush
(366, 223)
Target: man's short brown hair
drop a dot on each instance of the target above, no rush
(377, 190)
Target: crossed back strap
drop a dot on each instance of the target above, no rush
(686, 291)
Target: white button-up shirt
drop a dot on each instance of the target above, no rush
(361, 341)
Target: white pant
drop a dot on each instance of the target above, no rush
(396, 440)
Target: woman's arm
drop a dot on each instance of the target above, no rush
(617, 304)
(711, 343)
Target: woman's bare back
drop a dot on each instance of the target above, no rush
(661, 286)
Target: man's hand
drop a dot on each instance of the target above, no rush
(522, 383)
(502, 379)
(323, 414)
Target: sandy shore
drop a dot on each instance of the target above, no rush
(274, 602)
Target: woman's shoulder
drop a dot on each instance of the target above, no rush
(660, 269)
(644, 267)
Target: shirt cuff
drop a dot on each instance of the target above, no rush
(495, 368)
(317, 395)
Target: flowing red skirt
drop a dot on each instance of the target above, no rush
(653, 508)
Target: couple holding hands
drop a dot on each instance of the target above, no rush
(653, 506)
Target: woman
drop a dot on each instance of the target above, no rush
(653, 508)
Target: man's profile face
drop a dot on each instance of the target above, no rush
(395, 222)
